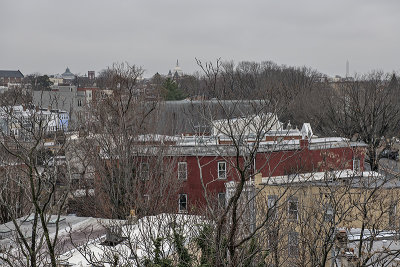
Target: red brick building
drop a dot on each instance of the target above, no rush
(204, 164)
(208, 169)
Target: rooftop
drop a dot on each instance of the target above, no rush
(11, 74)
(366, 179)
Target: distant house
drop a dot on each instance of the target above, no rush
(10, 78)
(87, 94)
(66, 97)
(19, 121)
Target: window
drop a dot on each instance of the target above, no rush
(273, 239)
(221, 200)
(183, 202)
(221, 170)
(144, 171)
(293, 244)
(356, 165)
(182, 170)
(328, 213)
(293, 204)
(272, 206)
(392, 215)
(79, 102)
(146, 199)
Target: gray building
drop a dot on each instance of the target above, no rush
(65, 97)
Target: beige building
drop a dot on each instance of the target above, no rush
(320, 218)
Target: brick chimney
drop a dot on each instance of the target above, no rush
(303, 143)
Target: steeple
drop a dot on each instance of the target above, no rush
(177, 72)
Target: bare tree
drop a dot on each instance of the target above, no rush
(131, 167)
(35, 184)
(365, 109)
(235, 234)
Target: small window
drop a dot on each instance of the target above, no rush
(221, 200)
(392, 215)
(356, 165)
(146, 199)
(272, 206)
(293, 204)
(329, 213)
(273, 240)
(183, 202)
(144, 171)
(221, 170)
(79, 102)
(293, 244)
(182, 170)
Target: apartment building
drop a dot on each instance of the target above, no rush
(311, 218)
(204, 165)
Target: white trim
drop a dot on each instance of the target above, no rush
(221, 171)
(182, 163)
(179, 203)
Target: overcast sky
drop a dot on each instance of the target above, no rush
(46, 36)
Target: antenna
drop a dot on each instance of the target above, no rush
(347, 69)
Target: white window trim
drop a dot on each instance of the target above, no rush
(146, 198)
(182, 163)
(271, 204)
(219, 199)
(356, 165)
(179, 203)
(220, 176)
(329, 213)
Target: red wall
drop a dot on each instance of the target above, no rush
(270, 164)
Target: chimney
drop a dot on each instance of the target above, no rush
(306, 134)
(303, 143)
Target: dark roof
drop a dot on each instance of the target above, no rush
(185, 116)
(68, 74)
(11, 74)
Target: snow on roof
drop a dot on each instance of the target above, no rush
(317, 176)
(142, 234)
(82, 225)
(306, 131)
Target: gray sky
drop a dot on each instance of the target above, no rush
(47, 35)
